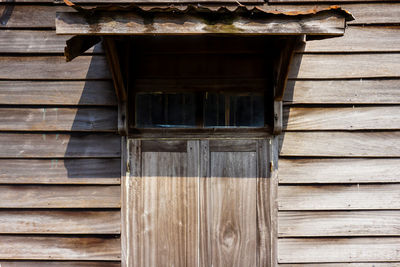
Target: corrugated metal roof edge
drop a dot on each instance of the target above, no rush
(196, 9)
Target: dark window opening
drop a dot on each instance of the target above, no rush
(200, 81)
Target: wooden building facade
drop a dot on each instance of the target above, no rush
(332, 175)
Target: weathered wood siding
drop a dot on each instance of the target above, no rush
(338, 194)
(59, 154)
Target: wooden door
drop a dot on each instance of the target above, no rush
(197, 203)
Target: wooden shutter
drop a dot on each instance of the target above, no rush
(197, 203)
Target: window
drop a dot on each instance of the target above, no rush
(200, 81)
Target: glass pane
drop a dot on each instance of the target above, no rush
(165, 110)
(234, 110)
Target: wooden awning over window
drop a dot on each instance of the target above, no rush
(242, 20)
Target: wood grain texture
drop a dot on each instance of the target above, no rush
(134, 23)
(360, 91)
(60, 263)
(359, 39)
(337, 66)
(50, 196)
(364, 13)
(59, 248)
(293, 171)
(163, 209)
(339, 223)
(342, 264)
(266, 232)
(338, 250)
(339, 197)
(14, 145)
(30, 16)
(58, 119)
(341, 144)
(59, 222)
(58, 171)
(29, 41)
(82, 93)
(35, 16)
(53, 67)
(341, 118)
(232, 208)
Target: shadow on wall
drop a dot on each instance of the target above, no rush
(93, 149)
(290, 86)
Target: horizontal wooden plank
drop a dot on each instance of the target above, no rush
(233, 145)
(364, 13)
(52, 196)
(342, 264)
(341, 144)
(359, 39)
(339, 223)
(13, 145)
(360, 91)
(294, 171)
(337, 66)
(59, 248)
(30, 16)
(293, 250)
(59, 222)
(340, 118)
(29, 41)
(53, 67)
(339, 197)
(57, 93)
(25, 263)
(35, 16)
(106, 23)
(58, 119)
(58, 171)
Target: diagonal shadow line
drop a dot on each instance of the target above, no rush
(7, 12)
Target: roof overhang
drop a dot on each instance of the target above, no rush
(242, 20)
(90, 26)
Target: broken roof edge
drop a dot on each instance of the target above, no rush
(202, 8)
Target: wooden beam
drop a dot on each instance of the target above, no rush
(119, 83)
(131, 23)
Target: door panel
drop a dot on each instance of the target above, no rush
(198, 203)
(233, 208)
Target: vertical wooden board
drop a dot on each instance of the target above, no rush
(206, 251)
(165, 206)
(265, 231)
(233, 204)
(192, 192)
(307, 250)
